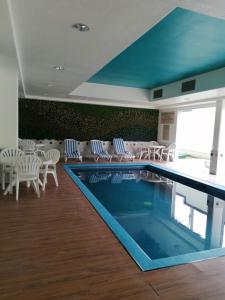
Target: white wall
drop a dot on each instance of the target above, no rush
(8, 107)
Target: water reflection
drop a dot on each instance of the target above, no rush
(120, 176)
(164, 217)
(201, 213)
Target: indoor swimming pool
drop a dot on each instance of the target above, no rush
(161, 218)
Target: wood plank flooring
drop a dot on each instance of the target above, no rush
(57, 247)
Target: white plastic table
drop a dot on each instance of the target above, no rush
(156, 151)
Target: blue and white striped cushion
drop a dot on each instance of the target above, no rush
(71, 149)
(119, 147)
(97, 149)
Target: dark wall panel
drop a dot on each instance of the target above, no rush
(40, 119)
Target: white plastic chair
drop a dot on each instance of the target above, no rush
(154, 143)
(51, 158)
(20, 142)
(27, 169)
(169, 152)
(8, 158)
(144, 152)
(28, 146)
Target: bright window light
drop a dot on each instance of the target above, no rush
(195, 130)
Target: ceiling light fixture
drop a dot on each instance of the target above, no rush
(59, 68)
(50, 84)
(81, 27)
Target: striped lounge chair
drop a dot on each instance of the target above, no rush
(96, 178)
(117, 178)
(120, 150)
(71, 150)
(98, 151)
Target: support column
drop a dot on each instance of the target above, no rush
(217, 156)
(8, 107)
(215, 222)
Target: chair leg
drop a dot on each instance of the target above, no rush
(3, 179)
(172, 155)
(40, 182)
(10, 181)
(55, 177)
(9, 187)
(34, 186)
(44, 181)
(160, 156)
(17, 189)
(37, 187)
(45, 177)
(149, 154)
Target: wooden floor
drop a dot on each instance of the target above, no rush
(57, 247)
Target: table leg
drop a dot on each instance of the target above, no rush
(149, 154)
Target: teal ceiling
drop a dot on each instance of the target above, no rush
(181, 45)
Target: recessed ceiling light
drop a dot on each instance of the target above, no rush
(50, 84)
(59, 68)
(81, 27)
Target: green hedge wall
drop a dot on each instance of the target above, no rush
(40, 119)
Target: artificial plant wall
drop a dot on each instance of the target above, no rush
(40, 119)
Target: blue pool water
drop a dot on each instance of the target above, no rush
(161, 222)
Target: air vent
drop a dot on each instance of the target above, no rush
(157, 93)
(188, 86)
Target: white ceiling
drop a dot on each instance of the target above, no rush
(43, 38)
